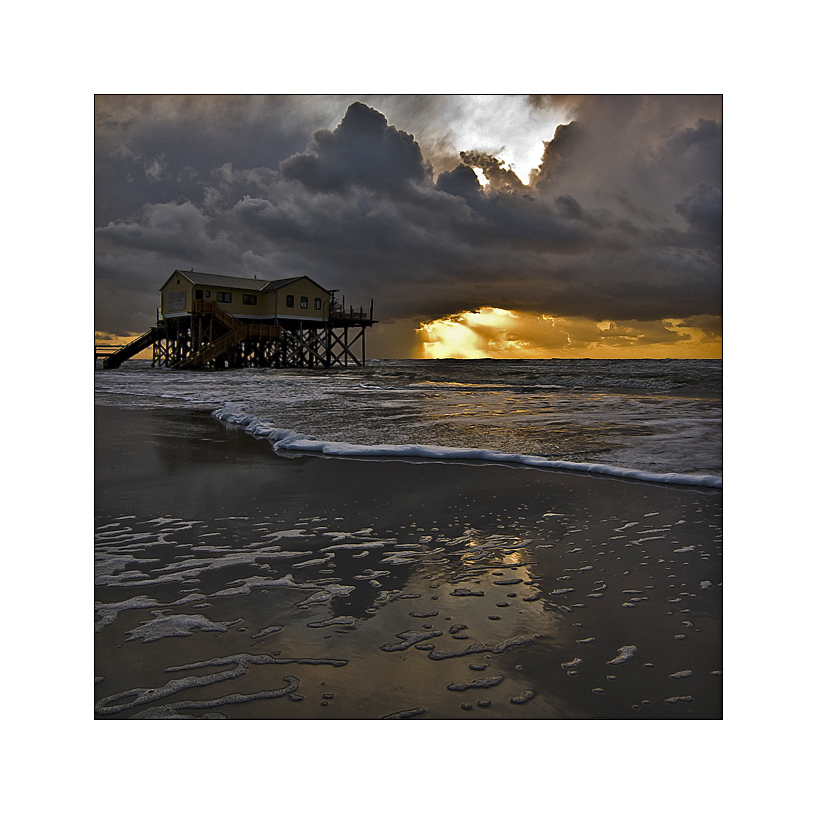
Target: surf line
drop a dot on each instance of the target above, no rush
(286, 440)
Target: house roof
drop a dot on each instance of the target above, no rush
(225, 281)
(277, 284)
(228, 281)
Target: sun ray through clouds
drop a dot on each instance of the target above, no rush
(496, 333)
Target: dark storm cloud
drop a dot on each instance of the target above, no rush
(160, 148)
(568, 206)
(702, 208)
(363, 151)
(461, 181)
(558, 153)
(621, 222)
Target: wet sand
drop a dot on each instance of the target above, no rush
(233, 583)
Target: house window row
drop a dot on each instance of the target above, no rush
(252, 299)
(305, 302)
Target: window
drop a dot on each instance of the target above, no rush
(249, 299)
(305, 302)
(199, 294)
(224, 297)
(290, 301)
(318, 304)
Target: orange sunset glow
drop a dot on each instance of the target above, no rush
(498, 333)
(105, 342)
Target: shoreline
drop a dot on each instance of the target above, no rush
(211, 546)
(290, 441)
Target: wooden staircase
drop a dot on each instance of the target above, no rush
(211, 307)
(238, 332)
(134, 347)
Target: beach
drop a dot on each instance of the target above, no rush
(236, 582)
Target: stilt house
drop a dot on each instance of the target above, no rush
(218, 321)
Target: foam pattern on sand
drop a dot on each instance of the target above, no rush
(320, 615)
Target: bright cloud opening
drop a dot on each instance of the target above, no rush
(481, 177)
(505, 126)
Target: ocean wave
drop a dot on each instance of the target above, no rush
(551, 411)
(287, 440)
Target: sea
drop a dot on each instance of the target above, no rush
(300, 544)
(651, 420)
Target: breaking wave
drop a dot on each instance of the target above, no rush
(286, 440)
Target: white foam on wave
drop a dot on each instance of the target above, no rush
(285, 440)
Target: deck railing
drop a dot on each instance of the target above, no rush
(351, 314)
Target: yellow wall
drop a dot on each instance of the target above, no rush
(236, 305)
(298, 289)
(169, 292)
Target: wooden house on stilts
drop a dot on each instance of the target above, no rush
(217, 321)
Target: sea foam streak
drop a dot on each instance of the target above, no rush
(290, 440)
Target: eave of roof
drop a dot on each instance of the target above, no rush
(229, 282)
(225, 281)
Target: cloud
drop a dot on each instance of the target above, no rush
(363, 151)
(621, 221)
(460, 181)
(702, 208)
(568, 206)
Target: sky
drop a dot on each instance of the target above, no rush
(481, 226)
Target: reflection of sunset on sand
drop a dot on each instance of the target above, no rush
(232, 583)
